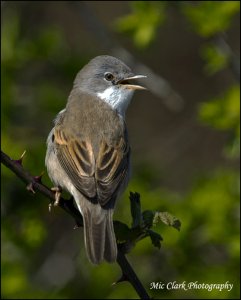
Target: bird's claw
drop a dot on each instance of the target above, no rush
(57, 195)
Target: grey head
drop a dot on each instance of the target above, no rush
(109, 79)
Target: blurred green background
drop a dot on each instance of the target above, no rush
(184, 133)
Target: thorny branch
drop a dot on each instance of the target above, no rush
(34, 184)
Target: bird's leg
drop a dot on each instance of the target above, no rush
(57, 195)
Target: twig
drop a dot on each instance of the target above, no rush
(34, 184)
(130, 275)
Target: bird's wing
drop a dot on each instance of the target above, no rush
(98, 177)
(111, 169)
(77, 159)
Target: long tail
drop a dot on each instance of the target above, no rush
(100, 242)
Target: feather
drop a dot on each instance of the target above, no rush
(98, 179)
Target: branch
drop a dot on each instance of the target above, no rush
(130, 275)
(34, 184)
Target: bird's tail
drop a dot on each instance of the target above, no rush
(100, 242)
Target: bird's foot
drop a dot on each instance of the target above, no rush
(57, 194)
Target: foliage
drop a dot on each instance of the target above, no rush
(142, 222)
(209, 213)
(207, 18)
(143, 22)
(210, 17)
(215, 58)
(224, 114)
(207, 247)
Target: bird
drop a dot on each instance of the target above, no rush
(88, 150)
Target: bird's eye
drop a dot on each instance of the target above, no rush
(109, 76)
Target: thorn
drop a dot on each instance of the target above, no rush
(20, 160)
(30, 187)
(39, 178)
(121, 279)
(22, 156)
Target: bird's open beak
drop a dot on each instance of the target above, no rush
(126, 82)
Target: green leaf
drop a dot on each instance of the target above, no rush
(143, 22)
(216, 59)
(210, 17)
(168, 219)
(122, 231)
(155, 238)
(148, 216)
(224, 112)
(135, 210)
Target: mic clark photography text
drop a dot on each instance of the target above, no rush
(173, 285)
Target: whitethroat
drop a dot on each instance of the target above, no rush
(88, 152)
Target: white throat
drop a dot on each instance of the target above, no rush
(118, 98)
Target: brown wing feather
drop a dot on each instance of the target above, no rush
(97, 179)
(77, 159)
(111, 169)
